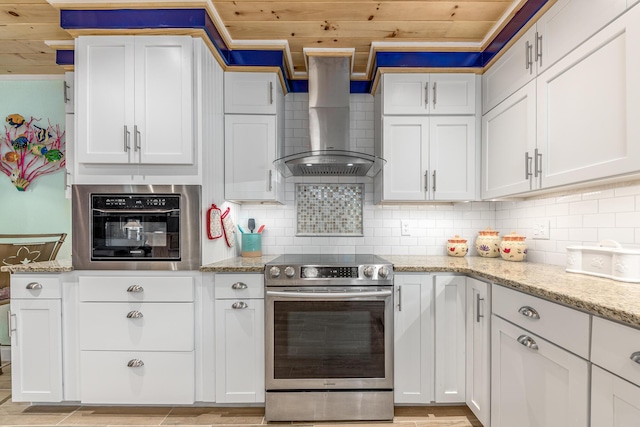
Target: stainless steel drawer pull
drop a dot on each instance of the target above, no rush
(239, 285)
(34, 286)
(635, 357)
(478, 315)
(528, 342)
(529, 312)
(239, 305)
(134, 314)
(135, 363)
(135, 288)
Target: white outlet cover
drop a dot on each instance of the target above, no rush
(405, 227)
(541, 229)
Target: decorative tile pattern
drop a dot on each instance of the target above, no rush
(329, 209)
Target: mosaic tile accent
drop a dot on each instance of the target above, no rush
(329, 209)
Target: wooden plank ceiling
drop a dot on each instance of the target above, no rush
(26, 24)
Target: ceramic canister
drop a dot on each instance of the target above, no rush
(457, 246)
(488, 243)
(513, 248)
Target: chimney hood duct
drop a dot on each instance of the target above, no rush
(330, 152)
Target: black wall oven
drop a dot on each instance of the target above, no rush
(136, 227)
(329, 339)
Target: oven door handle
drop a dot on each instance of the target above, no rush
(144, 211)
(328, 295)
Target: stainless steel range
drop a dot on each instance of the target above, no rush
(329, 338)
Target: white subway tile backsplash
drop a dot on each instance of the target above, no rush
(583, 207)
(599, 220)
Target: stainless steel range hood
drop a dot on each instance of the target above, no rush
(330, 151)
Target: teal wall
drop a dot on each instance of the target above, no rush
(42, 208)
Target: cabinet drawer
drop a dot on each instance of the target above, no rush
(561, 325)
(239, 285)
(612, 347)
(35, 286)
(163, 379)
(136, 326)
(151, 289)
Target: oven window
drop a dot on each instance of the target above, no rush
(329, 339)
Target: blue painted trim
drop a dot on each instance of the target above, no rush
(65, 57)
(199, 18)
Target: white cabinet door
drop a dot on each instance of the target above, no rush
(478, 356)
(513, 70)
(533, 382)
(413, 339)
(588, 104)
(36, 350)
(250, 93)
(105, 105)
(508, 145)
(134, 99)
(250, 149)
(406, 149)
(239, 338)
(614, 401)
(405, 93)
(452, 158)
(163, 131)
(450, 310)
(453, 94)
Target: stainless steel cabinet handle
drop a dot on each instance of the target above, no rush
(135, 288)
(539, 48)
(239, 305)
(34, 286)
(9, 322)
(537, 166)
(426, 95)
(126, 138)
(239, 285)
(528, 342)
(134, 314)
(478, 315)
(136, 138)
(635, 357)
(529, 312)
(434, 181)
(66, 92)
(527, 165)
(135, 363)
(270, 93)
(434, 94)
(528, 57)
(270, 180)
(399, 298)
(426, 180)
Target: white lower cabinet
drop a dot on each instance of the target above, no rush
(478, 356)
(614, 401)
(136, 337)
(539, 368)
(239, 338)
(35, 328)
(413, 342)
(450, 310)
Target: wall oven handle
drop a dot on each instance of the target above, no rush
(329, 295)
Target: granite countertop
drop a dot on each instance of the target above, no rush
(607, 298)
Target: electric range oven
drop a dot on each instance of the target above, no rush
(329, 338)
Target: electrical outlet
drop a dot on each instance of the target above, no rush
(541, 230)
(405, 228)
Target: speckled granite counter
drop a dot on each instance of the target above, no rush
(603, 297)
(61, 266)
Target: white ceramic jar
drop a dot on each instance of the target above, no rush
(457, 246)
(513, 248)
(488, 243)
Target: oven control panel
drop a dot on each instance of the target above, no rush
(334, 273)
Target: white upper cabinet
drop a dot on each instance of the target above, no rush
(134, 99)
(250, 93)
(419, 94)
(561, 29)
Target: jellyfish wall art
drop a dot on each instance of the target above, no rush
(29, 151)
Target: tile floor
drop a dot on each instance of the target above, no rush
(22, 414)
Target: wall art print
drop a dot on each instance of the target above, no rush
(28, 151)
